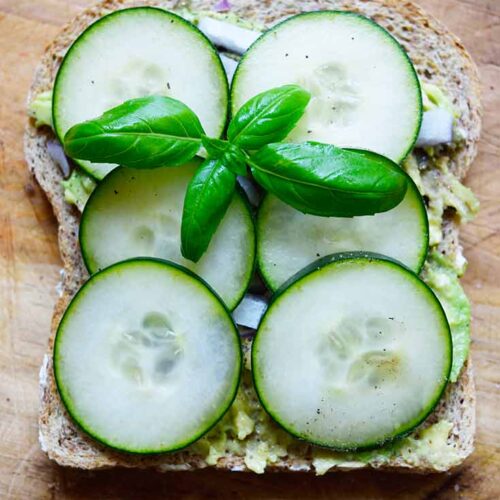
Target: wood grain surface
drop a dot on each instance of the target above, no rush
(29, 272)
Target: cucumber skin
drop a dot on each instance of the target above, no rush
(239, 192)
(423, 257)
(346, 13)
(317, 266)
(157, 10)
(66, 400)
(252, 213)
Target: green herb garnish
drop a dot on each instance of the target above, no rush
(321, 179)
(314, 178)
(208, 196)
(232, 156)
(147, 132)
(268, 117)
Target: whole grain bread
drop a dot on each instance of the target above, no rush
(439, 58)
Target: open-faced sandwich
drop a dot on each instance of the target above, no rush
(258, 208)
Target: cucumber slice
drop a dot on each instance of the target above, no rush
(356, 351)
(365, 92)
(126, 351)
(288, 240)
(137, 52)
(138, 213)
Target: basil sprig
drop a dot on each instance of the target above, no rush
(232, 156)
(314, 178)
(321, 179)
(141, 133)
(207, 199)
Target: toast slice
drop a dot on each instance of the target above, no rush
(439, 58)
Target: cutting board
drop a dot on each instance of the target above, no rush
(29, 272)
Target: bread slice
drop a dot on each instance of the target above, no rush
(439, 58)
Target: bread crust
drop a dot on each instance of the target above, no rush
(439, 58)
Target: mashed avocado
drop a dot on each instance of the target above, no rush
(443, 279)
(247, 431)
(433, 97)
(78, 188)
(429, 446)
(40, 108)
(442, 191)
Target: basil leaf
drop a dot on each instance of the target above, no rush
(147, 132)
(321, 179)
(207, 198)
(268, 117)
(233, 157)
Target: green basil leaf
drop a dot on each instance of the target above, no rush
(268, 117)
(215, 147)
(233, 157)
(147, 132)
(321, 179)
(207, 198)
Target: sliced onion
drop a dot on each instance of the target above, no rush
(437, 128)
(228, 35)
(251, 190)
(250, 311)
(229, 66)
(222, 6)
(58, 156)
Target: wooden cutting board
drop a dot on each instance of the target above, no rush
(29, 272)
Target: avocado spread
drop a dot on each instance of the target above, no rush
(247, 430)
(442, 191)
(440, 275)
(40, 108)
(433, 97)
(78, 188)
